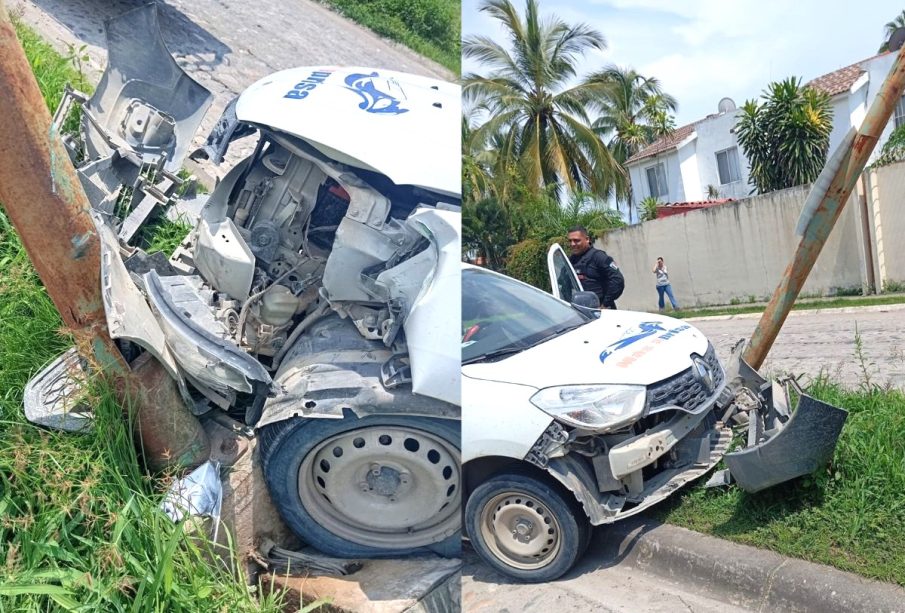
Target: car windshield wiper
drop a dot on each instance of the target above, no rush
(498, 353)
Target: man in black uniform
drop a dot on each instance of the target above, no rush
(596, 270)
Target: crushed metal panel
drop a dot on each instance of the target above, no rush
(128, 315)
(432, 326)
(332, 369)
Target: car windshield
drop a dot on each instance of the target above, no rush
(501, 316)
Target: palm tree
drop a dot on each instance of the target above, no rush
(633, 111)
(889, 29)
(476, 172)
(530, 103)
(648, 208)
(787, 137)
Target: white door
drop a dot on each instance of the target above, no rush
(563, 279)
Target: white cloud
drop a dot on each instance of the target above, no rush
(702, 50)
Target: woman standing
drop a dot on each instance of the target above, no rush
(663, 286)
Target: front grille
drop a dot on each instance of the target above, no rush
(684, 390)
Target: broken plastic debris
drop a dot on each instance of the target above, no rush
(52, 397)
(198, 493)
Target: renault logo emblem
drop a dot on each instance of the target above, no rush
(703, 373)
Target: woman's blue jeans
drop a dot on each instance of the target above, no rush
(667, 289)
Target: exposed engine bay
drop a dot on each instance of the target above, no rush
(311, 225)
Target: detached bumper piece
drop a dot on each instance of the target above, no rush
(52, 396)
(783, 444)
(799, 447)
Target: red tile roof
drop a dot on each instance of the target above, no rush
(832, 83)
(664, 144)
(839, 81)
(676, 208)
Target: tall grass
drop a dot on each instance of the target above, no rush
(80, 528)
(848, 515)
(430, 27)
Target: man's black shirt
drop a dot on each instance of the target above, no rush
(598, 273)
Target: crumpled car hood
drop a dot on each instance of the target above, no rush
(622, 347)
(400, 125)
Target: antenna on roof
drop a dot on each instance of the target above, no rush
(896, 39)
(728, 104)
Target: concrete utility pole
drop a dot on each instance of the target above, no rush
(44, 199)
(826, 214)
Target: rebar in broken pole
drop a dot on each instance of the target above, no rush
(44, 199)
(826, 214)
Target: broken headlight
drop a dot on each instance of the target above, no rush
(594, 407)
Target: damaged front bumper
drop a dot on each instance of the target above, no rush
(642, 470)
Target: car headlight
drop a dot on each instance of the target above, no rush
(595, 407)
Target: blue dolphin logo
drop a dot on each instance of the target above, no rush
(373, 100)
(648, 328)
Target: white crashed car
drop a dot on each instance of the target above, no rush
(574, 418)
(317, 297)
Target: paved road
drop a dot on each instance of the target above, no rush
(824, 341)
(598, 584)
(226, 45)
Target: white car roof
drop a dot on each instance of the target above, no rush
(404, 126)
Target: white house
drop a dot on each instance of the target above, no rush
(681, 166)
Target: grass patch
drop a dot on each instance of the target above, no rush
(832, 303)
(52, 70)
(79, 521)
(429, 27)
(165, 235)
(80, 527)
(848, 515)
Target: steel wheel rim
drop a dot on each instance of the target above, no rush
(520, 530)
(383, 486)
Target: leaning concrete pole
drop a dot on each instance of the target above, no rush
(45, 201)
(826, 213)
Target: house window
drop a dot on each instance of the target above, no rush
(727, 164)
(899, 117)
(656, 180)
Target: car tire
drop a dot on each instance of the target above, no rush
(526, 528)
(411, 465)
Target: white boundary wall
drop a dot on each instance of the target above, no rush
(738, 251)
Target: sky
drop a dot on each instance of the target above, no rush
(705, 50)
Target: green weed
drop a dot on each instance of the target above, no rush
(846, 515)
(890, 286)
(80, 528)
(430, 27)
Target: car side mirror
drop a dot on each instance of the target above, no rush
(586, 299)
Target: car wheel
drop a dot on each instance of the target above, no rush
(525, 528)
(373, 487)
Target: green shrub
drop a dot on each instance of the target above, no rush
(527, 262)
(893, 149)
(430, 27)
(852, 290)
(891, 286)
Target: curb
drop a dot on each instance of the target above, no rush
(420, 584)
(745, 576)
(874, 308)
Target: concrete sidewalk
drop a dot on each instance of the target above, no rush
(692, 570)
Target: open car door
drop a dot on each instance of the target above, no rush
(563, 280)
